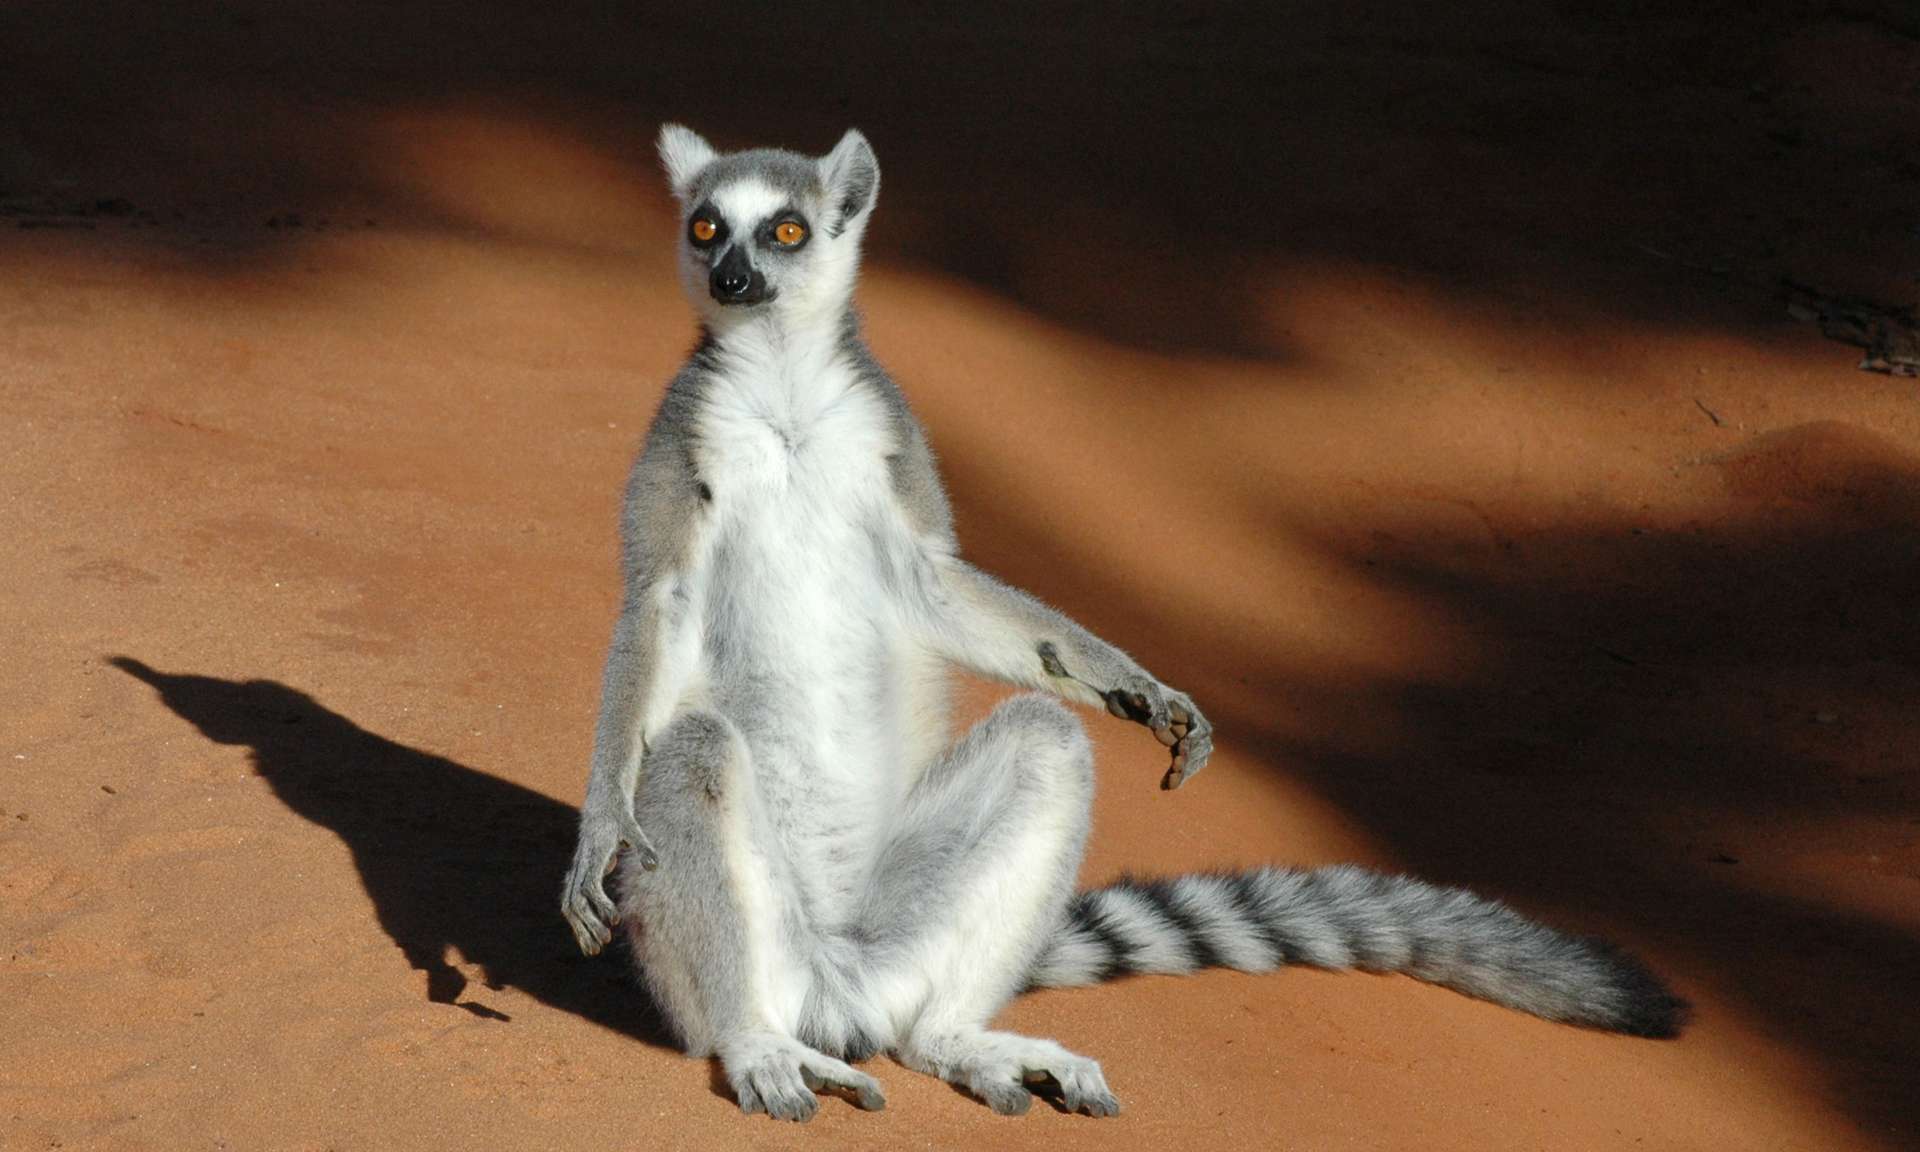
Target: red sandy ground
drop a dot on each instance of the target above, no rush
(1413, 388)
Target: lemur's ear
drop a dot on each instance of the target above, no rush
(684, 154)
(851, 176)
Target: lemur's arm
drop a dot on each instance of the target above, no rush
(663, 497)
(984, 625)
(606, 818)
(975, 621)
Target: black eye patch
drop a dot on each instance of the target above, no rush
(769, 234)
(705, 219)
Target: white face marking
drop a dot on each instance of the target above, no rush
(746, 203)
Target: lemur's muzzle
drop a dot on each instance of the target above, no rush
(734, 280)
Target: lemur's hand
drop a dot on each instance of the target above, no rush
(584, 901)
(1172, 717)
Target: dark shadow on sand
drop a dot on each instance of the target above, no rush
(452, 858)
(1659, 734)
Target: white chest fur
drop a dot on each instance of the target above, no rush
(791, 420)
(798, 473)
(798, 646)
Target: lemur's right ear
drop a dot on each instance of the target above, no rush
(684, 154)
(851, 175)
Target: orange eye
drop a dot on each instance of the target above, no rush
(789, 233)
(705, 229)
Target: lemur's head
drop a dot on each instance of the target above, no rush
(769, 230)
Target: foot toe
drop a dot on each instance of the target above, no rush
(1081, 1085)
(785, 1097)
(797, 1107)
(1006, 1098)
(827, 1075)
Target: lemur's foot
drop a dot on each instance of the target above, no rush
(1079, 1085)
(779, 1075)
(1003, 1070)
(1173, 719)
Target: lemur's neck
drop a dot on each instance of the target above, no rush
(778, 364)
(771, 339)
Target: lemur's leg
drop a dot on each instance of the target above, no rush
(709, 925)
(968, 892)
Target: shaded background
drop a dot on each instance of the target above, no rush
(1411, 383)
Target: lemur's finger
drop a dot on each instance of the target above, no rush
(588, 931)
(580, 936)
(1188, 758)
(588, 945)
(1115, 708)
(601, 914)
(1167, 736)
(642, 847)
(603, 904)
(1180, 718)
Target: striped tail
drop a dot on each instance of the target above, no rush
(1346, 917)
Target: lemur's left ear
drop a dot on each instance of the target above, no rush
(851, 176)
(684, 154)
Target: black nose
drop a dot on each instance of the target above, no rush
(734, 281)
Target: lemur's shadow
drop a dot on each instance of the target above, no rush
(452, 857)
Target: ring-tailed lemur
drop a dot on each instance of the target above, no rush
(814, 875)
